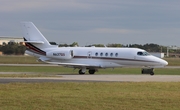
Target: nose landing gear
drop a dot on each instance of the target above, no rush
(147, 71)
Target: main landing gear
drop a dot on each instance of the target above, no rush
(91, 71)
(148, 71)
(80, 72)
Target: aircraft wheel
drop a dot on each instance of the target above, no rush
(142, 71)
(80, 72)
(91, 71)
(148, 71)
(151, 73)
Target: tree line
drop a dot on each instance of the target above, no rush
(13, 48)
(150, 47)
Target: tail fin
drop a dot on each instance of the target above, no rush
(35, 42)
(33, 36)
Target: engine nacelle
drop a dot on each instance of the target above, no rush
(63, 54)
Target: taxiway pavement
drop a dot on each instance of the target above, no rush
(90, 78)
(96, 78)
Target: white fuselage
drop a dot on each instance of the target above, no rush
(103, 57)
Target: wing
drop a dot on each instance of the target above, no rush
(81, 64)
(76, 65)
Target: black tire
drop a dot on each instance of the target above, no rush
(152, 73)
(142, 71)
(91, 71)
(80, 72)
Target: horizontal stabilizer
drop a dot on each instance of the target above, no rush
(35, 42)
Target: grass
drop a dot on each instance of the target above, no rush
(90, 96)
(38, 69)
(14, 59)
(27, 75)
(173, 61)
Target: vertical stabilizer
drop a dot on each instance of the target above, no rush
(33, 36)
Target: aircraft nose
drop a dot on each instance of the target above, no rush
(163, 62)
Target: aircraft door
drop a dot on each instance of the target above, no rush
(72, 54)
(89, 54)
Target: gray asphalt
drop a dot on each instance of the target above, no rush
(89, 78)
(96, 78)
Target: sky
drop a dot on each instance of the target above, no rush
(95, 21)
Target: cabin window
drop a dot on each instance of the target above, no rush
(106, 54)
(116, 54)
(101, 54)
(96, 54)
(111, 54)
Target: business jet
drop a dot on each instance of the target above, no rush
(87, 58)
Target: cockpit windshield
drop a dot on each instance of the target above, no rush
(143, 53)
